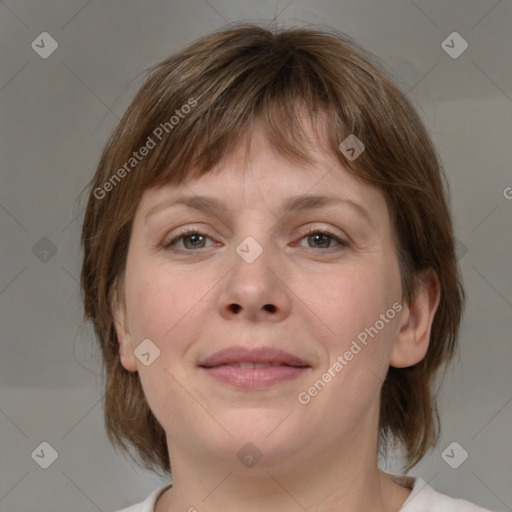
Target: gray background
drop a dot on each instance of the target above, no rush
(56, 115)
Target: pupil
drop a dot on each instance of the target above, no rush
(318, 238)
(195, 238)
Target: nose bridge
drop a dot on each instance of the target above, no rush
(254, 286)
(253, 260)
(255, 244)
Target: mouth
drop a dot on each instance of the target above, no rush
(253, 368)
(249, 365)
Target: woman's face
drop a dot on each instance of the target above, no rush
(253, 278)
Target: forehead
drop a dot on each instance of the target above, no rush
(256, 173)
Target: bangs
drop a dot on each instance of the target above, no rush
(191, 128)
(190, 154)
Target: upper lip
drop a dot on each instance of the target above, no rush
(239, 354)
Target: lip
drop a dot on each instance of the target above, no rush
(239, 354)
(285, 366)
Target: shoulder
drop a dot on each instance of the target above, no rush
(424, 498)
(148, 505)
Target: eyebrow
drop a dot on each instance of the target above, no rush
(292, 204)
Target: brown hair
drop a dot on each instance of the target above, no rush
(228, 80)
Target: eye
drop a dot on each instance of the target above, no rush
(192, 240)
(321, 239)
(316, 239)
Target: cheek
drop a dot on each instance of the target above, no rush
(359, 341)
(361, 336)
(164, 305)
(354, 299)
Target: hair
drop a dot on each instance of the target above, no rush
(191, 111)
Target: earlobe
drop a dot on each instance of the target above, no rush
(126, 355)
(413, 338)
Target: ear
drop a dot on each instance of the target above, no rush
(126, 355)
(416, 321)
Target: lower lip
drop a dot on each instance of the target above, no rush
(255, 378)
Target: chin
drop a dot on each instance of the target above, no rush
(267, 431)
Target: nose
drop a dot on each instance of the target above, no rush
(256, 290)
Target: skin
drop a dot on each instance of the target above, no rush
(320, 455)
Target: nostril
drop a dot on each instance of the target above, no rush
(235, 308)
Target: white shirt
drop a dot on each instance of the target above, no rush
(423, 498)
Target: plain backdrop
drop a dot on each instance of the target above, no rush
(56, 114)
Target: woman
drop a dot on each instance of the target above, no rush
(270, 269)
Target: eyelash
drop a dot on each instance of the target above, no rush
(170, 245)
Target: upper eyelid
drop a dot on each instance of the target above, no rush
(191, 229)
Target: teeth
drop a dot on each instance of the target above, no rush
(250, 366)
